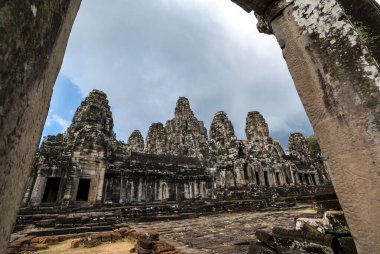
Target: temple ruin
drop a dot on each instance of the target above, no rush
(88, 165)
(333, 64)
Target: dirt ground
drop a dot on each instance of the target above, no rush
(119, 247)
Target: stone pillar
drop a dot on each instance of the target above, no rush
(28, 190)
(38, 190)
(337, 78)
(74, 189)
(67, 191)
(122, 189)
(140, 190)
(293, 178)
(27, 75)
(99, 182)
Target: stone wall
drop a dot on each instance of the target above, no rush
(33, 38)
(156, 139)
(136, 142)
(330, 50)
(86, 165)
(186, 136)
(348, 132)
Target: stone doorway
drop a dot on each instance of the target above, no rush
(278, 181)
(266, 178)
(83, 189)
(163, 192)
(313, 180)
(257, 178)
(51, 190)
(307, 179)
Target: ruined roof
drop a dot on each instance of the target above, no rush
(164, 159)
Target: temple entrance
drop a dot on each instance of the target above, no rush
(83, 189)
(257, 178)
(163, 192)
(307, 179)
(51, 190)
(313, 180)
(245, 171)
(278, 182)
(266, 178)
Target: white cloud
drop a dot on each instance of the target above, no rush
(56, 119)
(145, 54)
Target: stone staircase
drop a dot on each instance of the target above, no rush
(81, 218)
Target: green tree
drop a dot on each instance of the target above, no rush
(313, 145)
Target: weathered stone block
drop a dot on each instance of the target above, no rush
(258, 248)
(303, 241)
(140, 250)
(92, 243)
(335, 222)
(27, 249)
(40, 246)
(153, 235)
(266, 238)
(75, 243)
(145, 244)
(52, 240)
(162, 247)
(106, 237)
(115, 236)
(310, 224)
(138, 234)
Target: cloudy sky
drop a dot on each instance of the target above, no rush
(145, 54)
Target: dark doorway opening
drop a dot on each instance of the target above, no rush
(266, 178)
(307, 179)
(314, 182)
(51, 190)
(257, 178)
(83, 189)
(163, 192)
(278, 179)
(245, 171)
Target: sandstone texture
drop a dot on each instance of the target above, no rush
(136, 142)
(156, 139)
(186, 136)
(33, 38)
(332, 51)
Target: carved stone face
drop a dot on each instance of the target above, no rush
(256, 127)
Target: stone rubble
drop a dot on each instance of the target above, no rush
(326, 235)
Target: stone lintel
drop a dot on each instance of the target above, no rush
(265, 11)
(258, 6)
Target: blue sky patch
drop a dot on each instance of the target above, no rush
(65, 100)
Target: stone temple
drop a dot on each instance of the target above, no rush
(178, 161)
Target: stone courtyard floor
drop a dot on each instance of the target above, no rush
(223, 233)
(226, 233)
